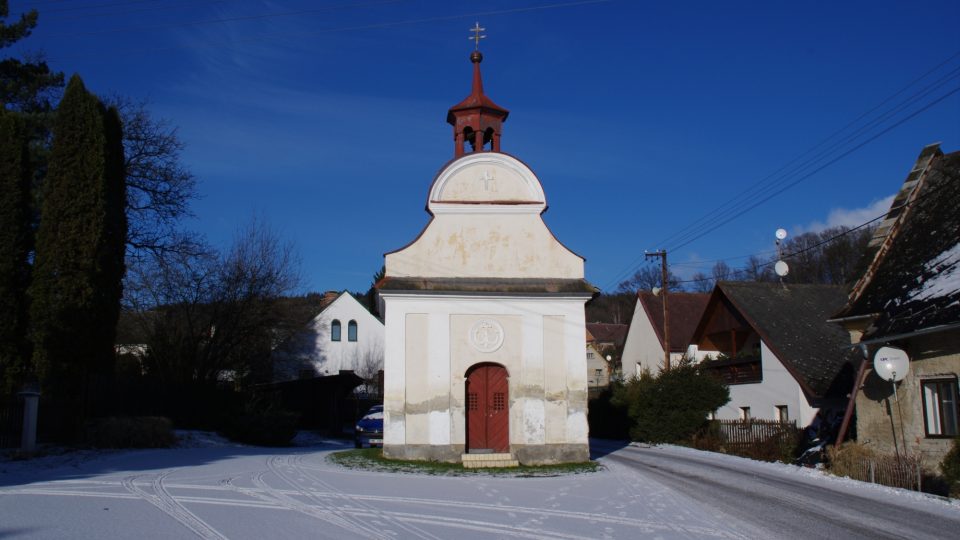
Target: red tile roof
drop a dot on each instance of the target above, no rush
(607, 333)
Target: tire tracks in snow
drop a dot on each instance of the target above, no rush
(319, 508)
(666, 498)
(162, 499)
(298, 463)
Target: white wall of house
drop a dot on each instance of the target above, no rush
(777, 388)
(430, 353)
(486, 225)
(642, 349)
(597, 367)
(315, 347)
(468, 239)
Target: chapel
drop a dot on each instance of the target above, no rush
(484, 314)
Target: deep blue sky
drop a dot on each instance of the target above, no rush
(327, 118)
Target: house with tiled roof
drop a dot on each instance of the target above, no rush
(342, 335)
(644, 345)
(772, 344)
(909, 298)
(604, 343)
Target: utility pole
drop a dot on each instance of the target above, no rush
(666, 312)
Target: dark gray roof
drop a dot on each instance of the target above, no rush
(488, 285)
(685, 312)
(792, 321)
(912, 280)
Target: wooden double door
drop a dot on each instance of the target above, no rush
(488, 411)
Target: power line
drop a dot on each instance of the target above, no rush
(372, 26)
(129, 29)
(766, 188)
(75, 7)
(824, 154)
(823, 142)
(330, 8)
(167, 7)
(820, 168)
(929, 193)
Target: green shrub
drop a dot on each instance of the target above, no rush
(673, 405)
(263, 427)
(130, 432)
(950, 467)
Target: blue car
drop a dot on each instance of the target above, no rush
(369, 429)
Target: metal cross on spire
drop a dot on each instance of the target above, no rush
(477, 36)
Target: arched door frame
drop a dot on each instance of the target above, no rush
(487, 408)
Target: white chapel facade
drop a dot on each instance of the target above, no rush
(484, 313)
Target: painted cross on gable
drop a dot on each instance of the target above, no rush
(488, 181)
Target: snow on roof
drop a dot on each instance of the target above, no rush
(946, 276)
(912, 282)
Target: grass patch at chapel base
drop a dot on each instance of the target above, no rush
(371, 459)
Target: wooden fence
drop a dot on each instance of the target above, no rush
(903, 471)
(746, 432)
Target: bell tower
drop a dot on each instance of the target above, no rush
(477, 121)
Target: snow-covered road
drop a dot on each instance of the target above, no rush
(242, 492)
(772, 500)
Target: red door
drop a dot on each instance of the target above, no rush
(488, 426)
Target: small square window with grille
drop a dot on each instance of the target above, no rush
(472, 401)
(499, 401)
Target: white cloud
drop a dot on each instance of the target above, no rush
(851, 217)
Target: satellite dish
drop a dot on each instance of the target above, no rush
(781, 268)
(655, 291)
(781, 234)
(891, 364)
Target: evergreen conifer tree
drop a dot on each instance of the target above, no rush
(78, 266)
(15, 237)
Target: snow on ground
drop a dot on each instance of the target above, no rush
(809, 475)
(211, 488)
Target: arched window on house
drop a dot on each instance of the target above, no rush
(335, 330)
(352, 331)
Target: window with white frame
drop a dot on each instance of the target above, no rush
(782, 413)
(940, 409)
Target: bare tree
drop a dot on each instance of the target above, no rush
(757, 269)
(367, 364)
(159, 188)
(210, 317)
(648, 277)
(701, 282)
(830, 256)
(721, 272)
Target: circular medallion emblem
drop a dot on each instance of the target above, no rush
(486, 335)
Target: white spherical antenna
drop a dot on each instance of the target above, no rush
(781, 268)
(891, 364)
(781, 234)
